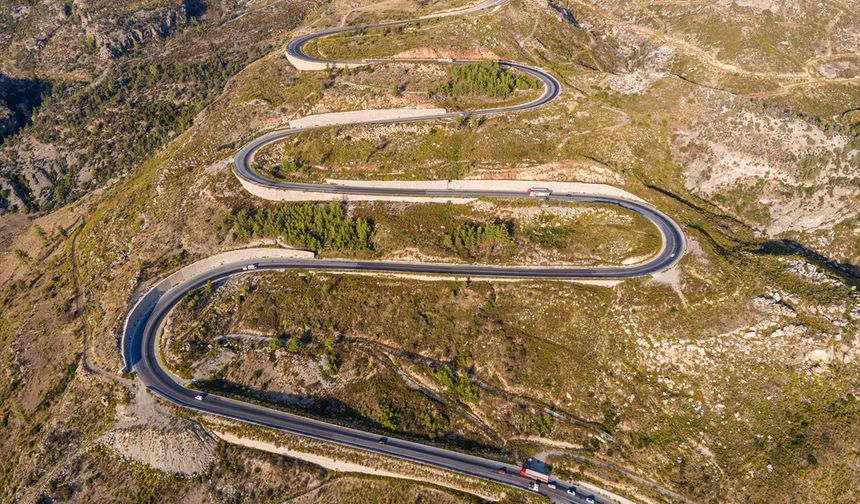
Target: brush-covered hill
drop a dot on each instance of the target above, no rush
(731, 378)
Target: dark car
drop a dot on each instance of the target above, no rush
(502, 470)
(383, 440)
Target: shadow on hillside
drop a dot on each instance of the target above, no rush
(18, 99)
(695, 206)
(194, 9)
(849, 273)
(329, 409)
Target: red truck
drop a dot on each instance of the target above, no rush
(536, 470)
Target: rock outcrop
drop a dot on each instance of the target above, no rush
(117, 35)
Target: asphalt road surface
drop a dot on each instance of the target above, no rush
(144, 322)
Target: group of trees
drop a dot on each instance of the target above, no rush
(483, 78)
(474, 240)
(313, 226)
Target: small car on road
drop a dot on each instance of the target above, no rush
(198, 397)
(502, 470)
(571, 490)
(590, 499)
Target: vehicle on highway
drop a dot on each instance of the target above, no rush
(249, 267)
(551, 485)
(446, 60)
(590, 499)
(536, 470)
(539, 192)
(198, 397)
(535, 486)
(383, 440)
(503, 471)
(571, 490)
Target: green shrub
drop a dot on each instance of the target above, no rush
(295, 346)
(461, 386)
(21, 257)
(542, 425)
(332, 366)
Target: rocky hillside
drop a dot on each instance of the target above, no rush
(102, 85)
(731, 378)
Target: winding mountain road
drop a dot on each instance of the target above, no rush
(147, 316)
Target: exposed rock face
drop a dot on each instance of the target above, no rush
(181, 447)
(801, 177)
(116, 35)
(63, 50)
(12, 197)
(150, 434)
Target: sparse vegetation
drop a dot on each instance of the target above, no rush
(296, 346)
(21, 257)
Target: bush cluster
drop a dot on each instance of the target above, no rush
(542, 425)
(474, 240)
(461, 386)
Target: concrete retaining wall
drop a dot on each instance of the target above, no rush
(232, 256)
(359, 116)
(495, 185)
(486, 4)
(310, 65)
(271, 194)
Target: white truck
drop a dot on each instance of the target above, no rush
(539, 192)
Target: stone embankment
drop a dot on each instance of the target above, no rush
(361, 116)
